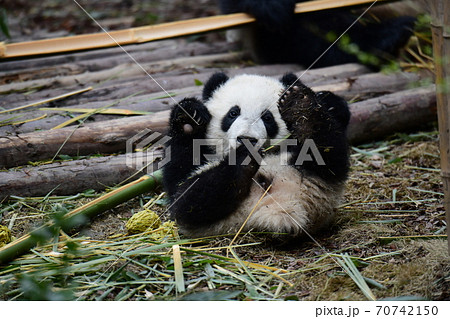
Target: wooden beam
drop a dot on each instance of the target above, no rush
(440, 25)
(153, 32)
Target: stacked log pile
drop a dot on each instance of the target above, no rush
(32, 147)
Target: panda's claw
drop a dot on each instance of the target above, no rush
(285, 96)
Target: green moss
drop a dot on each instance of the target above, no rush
(143, 221)
(5, 236)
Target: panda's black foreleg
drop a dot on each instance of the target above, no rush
(318, 122)
(215, 191)
(188, 121)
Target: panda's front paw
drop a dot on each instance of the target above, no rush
(295, 106)
(288, 96)
(189, 116)
(249, 159)
(297, 96)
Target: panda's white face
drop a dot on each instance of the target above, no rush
(245, 107)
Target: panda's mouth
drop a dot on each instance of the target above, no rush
(252, 140)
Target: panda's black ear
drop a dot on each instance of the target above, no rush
(216, 80)
(290, 79)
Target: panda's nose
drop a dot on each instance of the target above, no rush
(252, 140)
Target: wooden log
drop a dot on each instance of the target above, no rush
(154, 102)
(371, 119)
(440, 13)
(71, 177)
(107, 58)
(121, 87)
(373, 84)
(104, 137)
(166, 55)
(379, 117)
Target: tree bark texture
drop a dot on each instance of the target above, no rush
(440, 13)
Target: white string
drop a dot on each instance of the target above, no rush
(133, 59)
(320, 56)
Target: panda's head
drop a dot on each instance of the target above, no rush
(243, 107)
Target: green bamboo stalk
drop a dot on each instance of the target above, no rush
(80, 216)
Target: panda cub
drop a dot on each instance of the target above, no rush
(223, 173)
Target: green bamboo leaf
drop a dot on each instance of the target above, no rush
(349, 267)
(4, 23)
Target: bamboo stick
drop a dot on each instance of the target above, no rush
(97, 111)
(80, 216)
(387, 240)
(440, 13)
(154, 32)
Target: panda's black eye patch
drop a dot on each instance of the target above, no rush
(270, 123)
(267, 117)
(230, 117)
(235, 111)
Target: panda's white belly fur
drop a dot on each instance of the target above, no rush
(294, 204)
